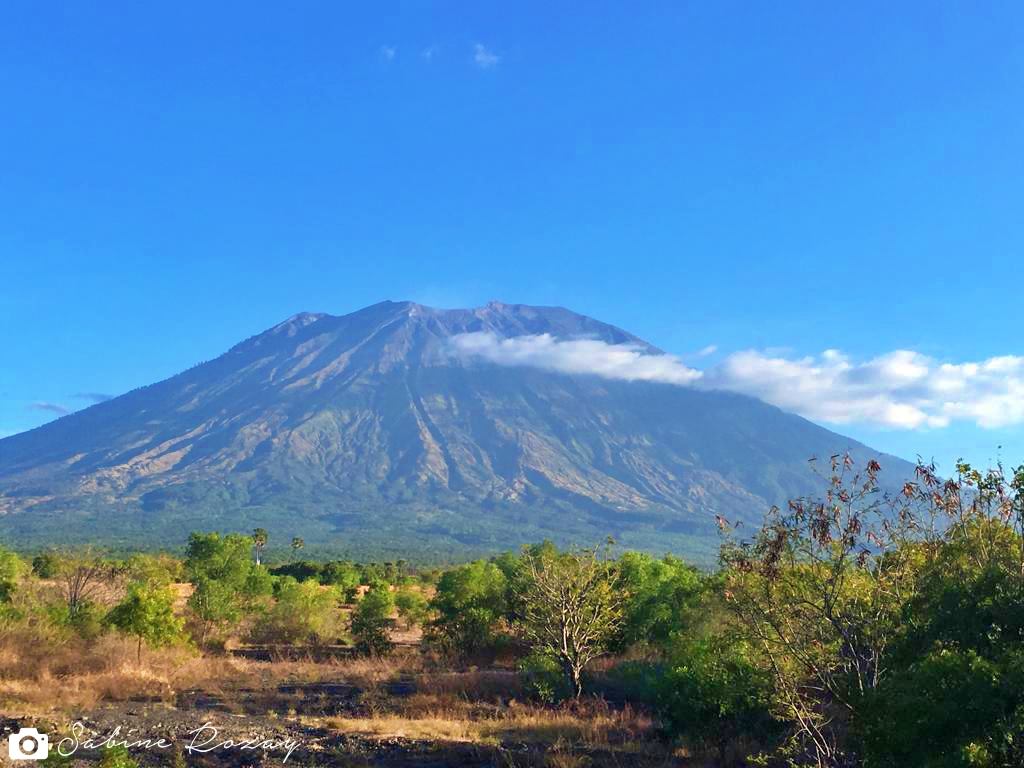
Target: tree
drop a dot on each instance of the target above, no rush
(470, 602)
(259, 541)
(303, 612)
(953, 694)
(225, 558)
(297, 544)
(83, 576)
(714, 693)
(371, 620)
(343, 575)
(661, 598)
(570, 607)
(882, 619)
(147, 612)
(215, 604)
(161, 568)
(227, 583)
(412, 606)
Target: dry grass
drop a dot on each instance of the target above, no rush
(489, 707)
(74, 674)
(591, 723)
(409, 694)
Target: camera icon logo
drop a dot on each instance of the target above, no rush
(28, 744)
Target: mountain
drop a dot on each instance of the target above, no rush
(367, 433)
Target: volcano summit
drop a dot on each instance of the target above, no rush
(403, 428)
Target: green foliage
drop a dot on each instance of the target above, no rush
(470, 603)
(46, 565)
(303, 612)
(300, 570)
(371, 620)
(224, 558)
(55, 759)
(955, 695)
(661, 598)
(147, 612)
(157, 568)
(543, 677)
(11, 570)
(88, 621)
(117, 756)
(951, 709)
(715, 693)
(412, 606)
(215, 604)
(343, 575)
(893, 627)
(227, 583)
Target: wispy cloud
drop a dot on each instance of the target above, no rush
(429, 53)
(900, 390)
(582, 356)
(388, 52)
(93, 397)
(483, 57)
(57, 408)
(710, 349)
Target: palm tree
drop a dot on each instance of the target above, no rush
(259, 540)
(297, 544)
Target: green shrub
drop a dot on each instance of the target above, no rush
(661, 599)
(543, 677)
(344, 576)
(371, 621)
(470, 602)
(412, 606)
(11, 571)
(300, 570)
(46, 565)
(714, 694)
(117, 757)
(304, 612)
(634, 681)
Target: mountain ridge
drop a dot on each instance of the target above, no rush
(366, 428)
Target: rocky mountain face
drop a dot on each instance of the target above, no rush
(367, 432)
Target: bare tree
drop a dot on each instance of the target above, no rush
(83, 577)
(569, 607)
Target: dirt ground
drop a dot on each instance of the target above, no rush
(315, 714)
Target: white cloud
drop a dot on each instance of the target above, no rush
(429, 52)
(484, 58)
(388, 52)
(710, 349)
(582, 356)
(900, 390)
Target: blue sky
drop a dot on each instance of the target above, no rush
(774, 180)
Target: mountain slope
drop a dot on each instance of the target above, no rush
(366, 432)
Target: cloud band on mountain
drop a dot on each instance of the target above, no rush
(626, 362)
(901, 389)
